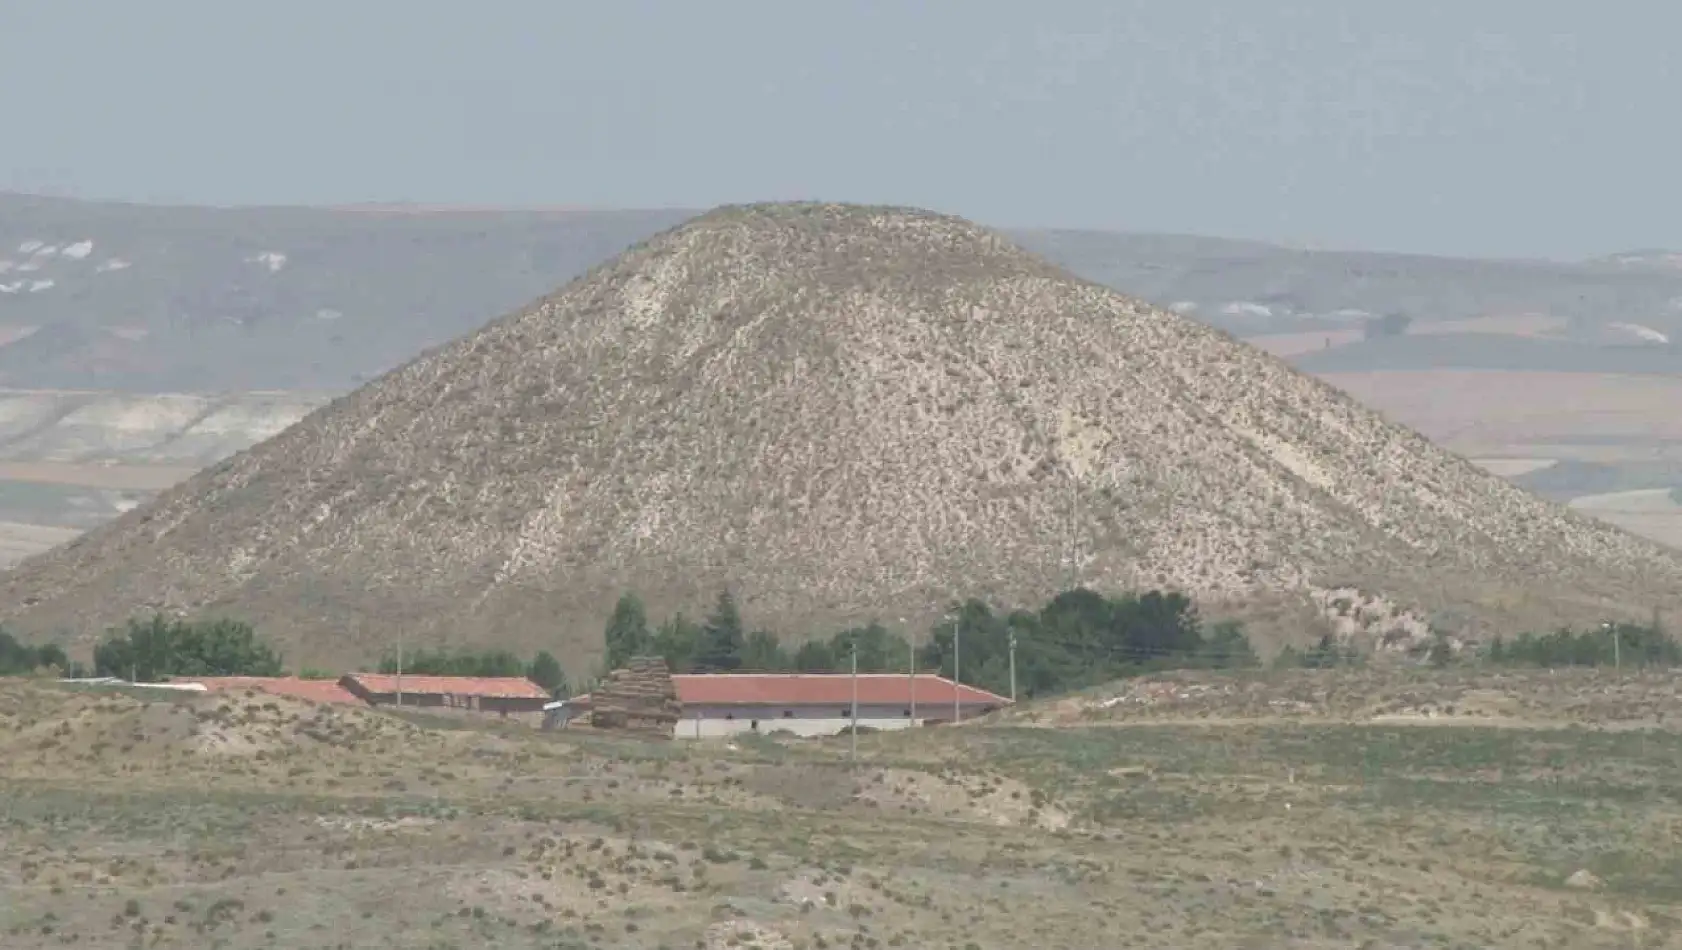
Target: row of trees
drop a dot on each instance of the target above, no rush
(1078, 638)
(1624, 644)
(162, 647)
(21, 659)
(544, 669)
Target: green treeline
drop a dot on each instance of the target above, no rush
(1076, 639)
(1624, 644)
(151, 650)
(544, 669)
(20, 659)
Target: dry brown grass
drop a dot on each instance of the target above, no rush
(1293, 811)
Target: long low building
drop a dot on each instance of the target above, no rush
(807, 704)
(498, 694)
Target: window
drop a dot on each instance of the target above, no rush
(906, 713)
(788, 714)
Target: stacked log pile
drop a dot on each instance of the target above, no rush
(640, 698)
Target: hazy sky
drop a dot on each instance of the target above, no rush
(1513, 127)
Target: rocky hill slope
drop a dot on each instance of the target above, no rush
(840, 412)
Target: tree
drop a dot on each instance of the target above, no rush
(1228, 649)
(721, 641)
(762, 651)
(814, 656)
(880, 651)
(546, 672)
(160, 647)
(443, 662)
(677, 641)
(19, 659)
(627, 633)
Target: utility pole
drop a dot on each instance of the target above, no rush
(1617, 646)
(955, 679)
(1013, 666)
(400, 668)
(855, 729)
(911, 645)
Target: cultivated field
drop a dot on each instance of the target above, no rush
(1654, 512)
(1486, 412)
(18, 541)
(1310, 810)
(87, 475)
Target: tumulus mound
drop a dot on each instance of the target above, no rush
(840, 412)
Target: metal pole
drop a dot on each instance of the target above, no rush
(955, 679)
(911, 644)
(855, 729)
(399, 668)
(1013, 666)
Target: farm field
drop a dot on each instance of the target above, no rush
(1310, 809)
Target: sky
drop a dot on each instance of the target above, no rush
(1537, 128)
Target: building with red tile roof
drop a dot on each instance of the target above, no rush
(718, 704)
(498, 694)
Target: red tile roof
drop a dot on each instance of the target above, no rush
(320, 691)
(819, 689)
(491, 687)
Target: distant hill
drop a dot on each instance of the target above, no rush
(147, 299)
(841, 412)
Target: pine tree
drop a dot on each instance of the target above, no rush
(627, 633)
(720, 647)
(546, 672)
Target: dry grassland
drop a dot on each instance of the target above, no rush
(1311, 810)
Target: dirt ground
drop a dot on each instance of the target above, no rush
(1313, 809)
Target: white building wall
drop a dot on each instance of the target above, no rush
(708, 722)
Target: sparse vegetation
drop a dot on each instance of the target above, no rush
(1194, 809)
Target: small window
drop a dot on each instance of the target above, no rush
(846, 714)
(906, 713)
(788, 714)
